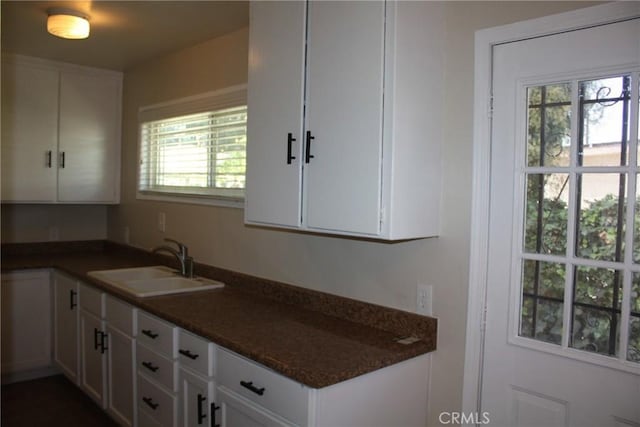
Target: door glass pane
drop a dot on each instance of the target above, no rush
(546, 213)
(596, 309)
(604, 113)
(600, 232)
(542, 300)
(549, 125)
(633, 352)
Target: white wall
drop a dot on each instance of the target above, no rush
(382, 273)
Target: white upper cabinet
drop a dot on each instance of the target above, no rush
(60, 133)
(357, 86)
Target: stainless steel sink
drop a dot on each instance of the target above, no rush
(153, 281)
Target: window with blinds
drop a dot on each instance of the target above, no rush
(200, 154)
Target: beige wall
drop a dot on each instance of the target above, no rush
(383, 273)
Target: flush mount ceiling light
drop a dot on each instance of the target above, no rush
(68, 24)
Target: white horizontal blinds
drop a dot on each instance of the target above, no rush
(201, 154)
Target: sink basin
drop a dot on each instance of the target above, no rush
(153, 281)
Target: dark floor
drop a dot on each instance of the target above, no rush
(51, 401)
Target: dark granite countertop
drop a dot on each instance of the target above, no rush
(314, 338)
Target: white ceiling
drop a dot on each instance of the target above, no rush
(123, 33)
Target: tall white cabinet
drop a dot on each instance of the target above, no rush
(344, 124)
(60, 132)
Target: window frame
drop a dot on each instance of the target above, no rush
(221, 99)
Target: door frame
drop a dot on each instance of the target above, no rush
(485, 40)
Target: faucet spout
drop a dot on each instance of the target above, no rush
(181, 254)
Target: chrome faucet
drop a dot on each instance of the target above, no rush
(182, 255)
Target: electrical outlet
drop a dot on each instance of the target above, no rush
(424, 300)
(162, 221)
(54, 233)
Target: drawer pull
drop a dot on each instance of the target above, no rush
(103, 342)
(249, 385)
(96, 332)
(188, 354)
(149, 402)
(290, 140)
(150, 334)
(150, 366)
(72, 299)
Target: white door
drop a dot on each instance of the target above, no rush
(562, 340)
(93, 360)
(65, 327)
(276, 106)
(121, 376)
(196, 398)
(345, 71)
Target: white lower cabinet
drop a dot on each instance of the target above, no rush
(65, 325)
(121, 356)
(93, 344)
(197, 400)
(26, 339)
(236, 411)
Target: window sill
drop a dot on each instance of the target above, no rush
(226, 202)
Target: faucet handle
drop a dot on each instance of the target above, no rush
(183, 248)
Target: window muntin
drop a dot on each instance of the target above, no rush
(577, 190)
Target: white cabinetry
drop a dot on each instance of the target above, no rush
(65, 327)
(197, 387)
(93, 344)
(353, 146)
(252, 395)
(26, 338)
(121, 379)
(157, 364)
(60, 133)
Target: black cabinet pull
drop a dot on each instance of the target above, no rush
(290, 140)
(103, 342)
(188, 354)
(249, 385)
(307, 153)
(201, 415)
(72, 299)
(150, 366)
(214, 408)
(95, 338)
(149, 402)
(150, 334)
(62, 155)
(49, 159)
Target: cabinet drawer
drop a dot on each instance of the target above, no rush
(161, 405)
(121, 316)
(157, 334)
(159, 368)
(196, 353)
(92, 300)
(268, 389)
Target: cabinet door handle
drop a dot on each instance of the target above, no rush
(62, 156)
(188, 354)
(249, 385)
(307, 153)
(149, 402)
(72, 299)
(201, 415)
(103, 342)
(290, 140)
(150, 334)
(49, 154)
(150, 366)
(95, 338)
(214, 408)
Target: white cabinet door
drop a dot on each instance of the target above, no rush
(196, 399)
(93, 357)
(276, 105)
(121, 376)
(345, 64)
(89, 138)
(29, 132)
(235, 411)
(65, 338)
(26, 339)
